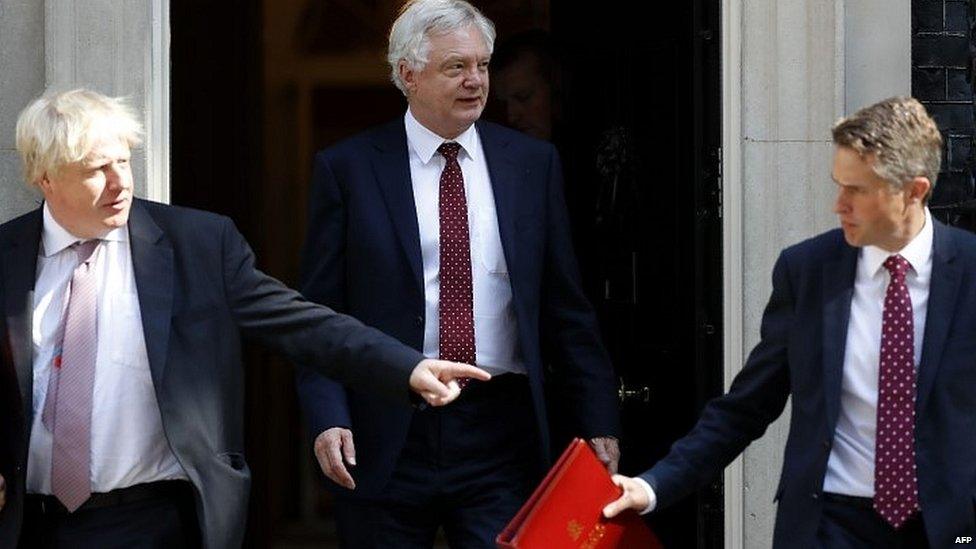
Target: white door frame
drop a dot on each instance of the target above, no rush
(158, 106)
(732, 243)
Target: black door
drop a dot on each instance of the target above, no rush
(638, 123)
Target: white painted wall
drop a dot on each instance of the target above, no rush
(117, 47)
(878, 56)
(22, 67)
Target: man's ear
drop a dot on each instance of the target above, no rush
(44, 183)
(918, 189)
(407, 75)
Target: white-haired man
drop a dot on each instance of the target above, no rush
(871, 330)
(451, 235)
(120, 370)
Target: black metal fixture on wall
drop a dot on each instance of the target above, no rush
(943, 57)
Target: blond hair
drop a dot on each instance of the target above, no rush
(58, 129)
(901, 136)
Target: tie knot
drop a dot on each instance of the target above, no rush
(449, 150)
(897, 266)
(85, 249)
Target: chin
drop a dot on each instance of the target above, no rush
(117, 221)
(853, 240)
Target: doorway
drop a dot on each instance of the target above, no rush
(259, 85)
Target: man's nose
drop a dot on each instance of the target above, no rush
(114, 177)
(840, 203)
(474, 79)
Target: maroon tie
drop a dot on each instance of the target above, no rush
(895, 479)
(456, 328)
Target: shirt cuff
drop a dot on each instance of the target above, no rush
(651, 496)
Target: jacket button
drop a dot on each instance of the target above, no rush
(419, 320)
(815, 495)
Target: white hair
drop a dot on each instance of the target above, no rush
(58, 129)
(418, 20)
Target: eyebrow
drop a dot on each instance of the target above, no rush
(453, 56)
(849, 185)
(98, 160)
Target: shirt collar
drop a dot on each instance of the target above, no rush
(918, 251)
(424, 143)
(56, 238)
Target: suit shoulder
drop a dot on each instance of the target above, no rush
(965, 241)
(372, 137)
(182, 218)
(19, 223)
(523, 142)
(817, 248)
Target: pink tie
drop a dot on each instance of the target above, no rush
(895, 478)
(456, 329)
(68, 406)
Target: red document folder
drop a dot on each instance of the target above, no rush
(566, 510)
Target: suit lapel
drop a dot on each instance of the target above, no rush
(506, 178)
(838, 290)
(943, 290)
(391, 164)
(19, 273)
(152, 263)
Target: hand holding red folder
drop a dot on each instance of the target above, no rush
(566, 510)
(634, 497)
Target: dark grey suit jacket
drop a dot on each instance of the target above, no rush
(199, 292)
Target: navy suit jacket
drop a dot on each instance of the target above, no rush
(363, 257)
(199, 292)
(801, 355)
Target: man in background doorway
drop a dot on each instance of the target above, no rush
(451, 235)
(527, 82)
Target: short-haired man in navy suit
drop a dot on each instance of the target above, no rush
(871, 329)
(451, 235)
(121, 385)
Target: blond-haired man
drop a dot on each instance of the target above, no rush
(871, 330)
(120, 370)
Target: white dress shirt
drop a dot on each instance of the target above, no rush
(128, 445)
(850, 468)
(495, 335)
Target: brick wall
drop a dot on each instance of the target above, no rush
(942, 78)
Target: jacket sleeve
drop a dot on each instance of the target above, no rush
(323, 281)
(311, 335)
(731, 422)
(570, 334)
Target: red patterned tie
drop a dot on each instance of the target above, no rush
(895, 478)
(456, 328)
